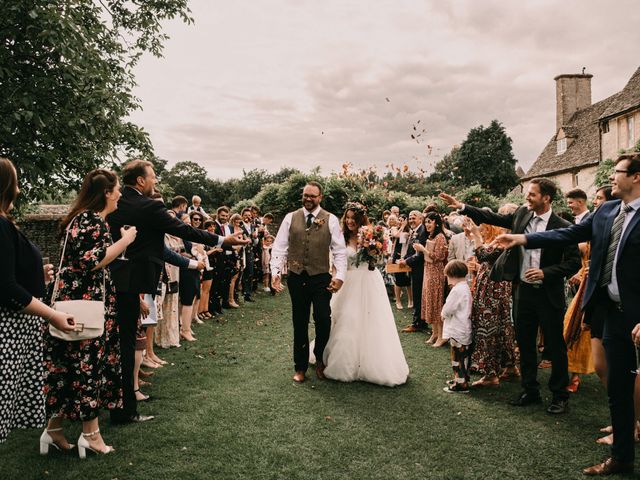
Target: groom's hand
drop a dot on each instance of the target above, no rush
(276, 283)
(335, 285)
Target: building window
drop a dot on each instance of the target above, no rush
(605, 127)
(630, 132)
(576, 179)
(561, 146)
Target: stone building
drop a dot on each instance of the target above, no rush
(587, 133)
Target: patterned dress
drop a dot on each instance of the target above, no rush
(434, 280)
(83, 376)
(21, 400)
(491, 319)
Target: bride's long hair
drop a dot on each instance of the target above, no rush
(359, 216)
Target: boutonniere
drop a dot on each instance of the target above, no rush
(317, 223)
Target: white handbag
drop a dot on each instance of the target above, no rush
(88, 314)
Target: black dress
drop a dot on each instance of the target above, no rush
(21, 279)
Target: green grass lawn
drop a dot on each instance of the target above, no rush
(226, 408)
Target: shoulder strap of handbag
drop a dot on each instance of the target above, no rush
(57, 277)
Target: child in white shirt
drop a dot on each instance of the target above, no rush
(456, 315)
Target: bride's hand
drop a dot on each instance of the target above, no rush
(335, 285)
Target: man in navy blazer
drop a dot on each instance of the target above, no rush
(613, 287)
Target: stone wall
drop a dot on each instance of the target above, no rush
(43, 229)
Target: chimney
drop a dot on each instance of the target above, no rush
(573, 93)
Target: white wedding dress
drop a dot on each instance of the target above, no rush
(364, 343)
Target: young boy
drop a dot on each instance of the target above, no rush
(456, 315)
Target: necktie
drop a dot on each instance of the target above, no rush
(614, 240)
(309, 220)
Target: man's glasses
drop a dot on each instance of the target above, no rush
(306, 195)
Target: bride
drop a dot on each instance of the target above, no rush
(364, 343)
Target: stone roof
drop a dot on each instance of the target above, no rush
(627, 99)
(583, 150)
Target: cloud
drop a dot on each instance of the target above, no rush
(302, 84)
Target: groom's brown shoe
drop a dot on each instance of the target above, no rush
(299, 377)
(320, 371)
(610, 466)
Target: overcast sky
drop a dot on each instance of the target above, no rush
(300, 83)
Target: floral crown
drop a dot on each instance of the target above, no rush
(356, 207)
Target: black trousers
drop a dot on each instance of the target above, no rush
(220, 286)
(621, 362)
(307, 291)
(416, 290)
(128, 312)
(532, 310)
(247, 276)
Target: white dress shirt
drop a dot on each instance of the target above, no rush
(281, 245)
(456, 314)
(612, 288)
(531, 258)
(578, 218)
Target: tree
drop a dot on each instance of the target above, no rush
(188, 179)
(66, 84)
(485, 158)
(603, 172)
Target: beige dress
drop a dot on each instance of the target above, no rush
(168, 329)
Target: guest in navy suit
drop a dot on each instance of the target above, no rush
(613, 289)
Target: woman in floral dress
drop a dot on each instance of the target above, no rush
(435, 257)
(81, 377)
(494, 336)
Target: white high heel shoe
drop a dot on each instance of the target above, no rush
(83, 446)
(46, 441)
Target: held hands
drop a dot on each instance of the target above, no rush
(276, 283)
(450, 200)
(62, 321)
(335, 285)
(418, 247)
(128, 234)
(201, 265)
(509, 240)
(235, 239)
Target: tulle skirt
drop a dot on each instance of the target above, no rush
(364, 343)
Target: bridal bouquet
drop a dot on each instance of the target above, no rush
(372, 243)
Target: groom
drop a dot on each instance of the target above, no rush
(304, 241)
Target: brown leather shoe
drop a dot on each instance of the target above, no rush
(410, 329)
(610, 466)
(299, 376)
(320, 371)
